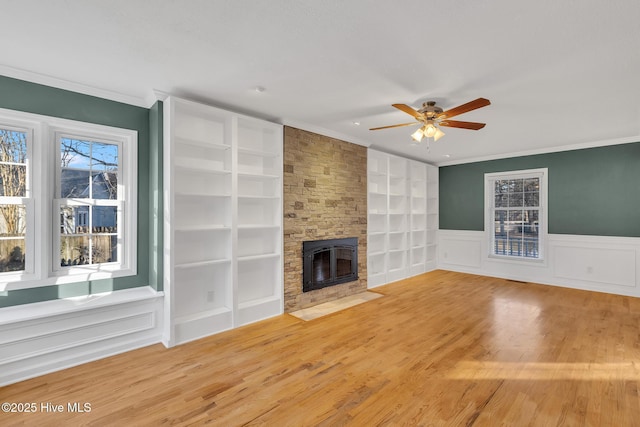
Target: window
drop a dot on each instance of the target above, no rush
(87, 187)
(14, 199)
(67, 201)
(516, 215)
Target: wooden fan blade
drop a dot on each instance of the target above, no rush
(469, 106)
(396, 126)
(463, 125)
(408, 110)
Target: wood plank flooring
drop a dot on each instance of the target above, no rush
(440, 349)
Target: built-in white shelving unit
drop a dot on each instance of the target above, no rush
(259, 209)
(432, 217)
(399, 207)
(398, 218)
(418, 194)
(222, 220)
(377, 222)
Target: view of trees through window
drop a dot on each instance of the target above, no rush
(13, 187)
(516, 217)
(89, 209)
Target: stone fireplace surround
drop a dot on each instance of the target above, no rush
(325, 197)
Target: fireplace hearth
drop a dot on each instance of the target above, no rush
(329, 262)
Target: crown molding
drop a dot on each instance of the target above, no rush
(580, 146)
(71, 86)
(156, 95)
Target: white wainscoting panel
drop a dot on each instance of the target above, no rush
(607, 264)
(596, 265)
(48, 336)
(599, 263)
(461, 248)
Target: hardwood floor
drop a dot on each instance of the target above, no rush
(441, 349)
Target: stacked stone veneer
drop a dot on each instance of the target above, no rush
(325, 197)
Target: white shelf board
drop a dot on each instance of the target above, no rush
(247, 226)
(201, 143)
(259, 197)
(194, 194)
(258, 301)
(257, 175)
(200, 165)
(208, 227)
(201, 315)
(377, 253)
(202, 263)
(257, 227)
(258, 257)
(397, 251)
(254, 152)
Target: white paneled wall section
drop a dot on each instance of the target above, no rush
(43, 337)
(598, 263)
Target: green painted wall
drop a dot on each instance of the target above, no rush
(34, 98)
(594, 191)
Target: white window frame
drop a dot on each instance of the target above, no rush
(489, 204)
(43, 172)
(31, 130)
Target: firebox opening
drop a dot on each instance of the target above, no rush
(329, 262)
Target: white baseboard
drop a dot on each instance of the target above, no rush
(44, 337)
(597, 263)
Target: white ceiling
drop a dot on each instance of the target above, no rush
(559, 74)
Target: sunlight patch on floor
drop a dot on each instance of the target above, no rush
(545, 371)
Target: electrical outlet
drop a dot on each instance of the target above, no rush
(210, 296)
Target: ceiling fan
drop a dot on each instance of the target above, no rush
(431, 116)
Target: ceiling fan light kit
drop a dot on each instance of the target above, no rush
(431, 117)
(429, 130)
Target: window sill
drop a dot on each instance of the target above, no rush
(533, 262)
(14, 283)
(26, 312)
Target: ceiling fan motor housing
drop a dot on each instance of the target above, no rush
(430, 110)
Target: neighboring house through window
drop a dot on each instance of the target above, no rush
(516, 217)
(88, 190)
